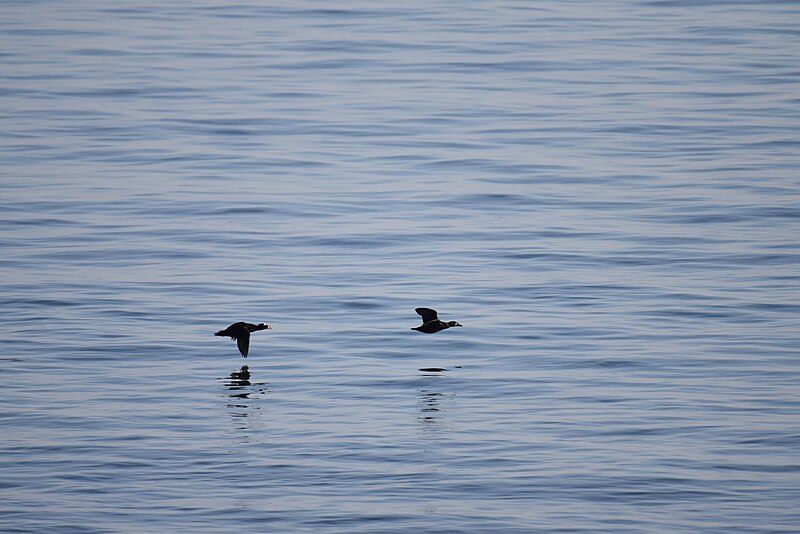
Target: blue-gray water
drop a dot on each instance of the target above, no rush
(605, 195)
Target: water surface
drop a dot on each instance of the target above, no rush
(605, 196)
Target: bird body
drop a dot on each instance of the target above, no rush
(431, 322)
(240, 332)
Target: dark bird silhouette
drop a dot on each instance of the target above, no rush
(241, 333)
(431, 323)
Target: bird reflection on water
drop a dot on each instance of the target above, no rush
(432, 415)
(239, 380)
(430, 405)
(243, 403)
(243, 391)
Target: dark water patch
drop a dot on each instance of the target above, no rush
(40, 302)
(42, 221)
(775, 307)
(352, 242)
(248, 210)
(610, 364)
(489, 200)
(122, 256)
(52, 32)
(362, 304)
(773, 439)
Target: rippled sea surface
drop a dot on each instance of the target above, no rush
(606, 195)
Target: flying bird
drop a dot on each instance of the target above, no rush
(431, 322)
(241, 333)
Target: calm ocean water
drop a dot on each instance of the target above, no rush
(605, 194)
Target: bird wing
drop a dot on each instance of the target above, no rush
(243, 342)
(427, 314)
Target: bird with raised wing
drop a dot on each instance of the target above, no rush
(431, 322)
(240, 332)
